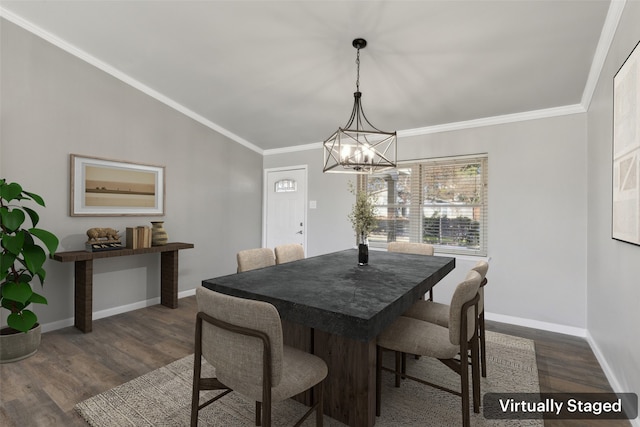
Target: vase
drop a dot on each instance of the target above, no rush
(159, 235)
(16, 345)
(363, 252)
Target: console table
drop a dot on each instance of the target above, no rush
(83, 304)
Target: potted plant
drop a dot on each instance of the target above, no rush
(363, 220)
(21, 260)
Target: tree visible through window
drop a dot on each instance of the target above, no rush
(442, 202)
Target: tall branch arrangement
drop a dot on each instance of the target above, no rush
(362, 216)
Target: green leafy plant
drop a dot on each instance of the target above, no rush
(22, 257)
(362, 216)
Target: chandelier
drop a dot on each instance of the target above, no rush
(359, 147)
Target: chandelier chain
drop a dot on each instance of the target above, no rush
(358, 71)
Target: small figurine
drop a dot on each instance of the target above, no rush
(102, 239)
(99, 233)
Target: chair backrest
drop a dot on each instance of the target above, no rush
(411, 248)
(288, 253)
(481, 267)
(250, 259)
(465, 292)
(237, 358)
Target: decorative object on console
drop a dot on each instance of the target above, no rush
(359, 149)
(159, 235)
(23, 258)
(139, 237)
(102, 239)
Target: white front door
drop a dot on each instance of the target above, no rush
(285, 214)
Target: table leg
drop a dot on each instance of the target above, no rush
(301, 337)
(350, 387)
(83, 306)
(169, 279)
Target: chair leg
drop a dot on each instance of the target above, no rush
(266, 414)
(197, 371)
(195, 396)
(258, 413)
(464, 386)
(483, 345)
(319, 408)
(398, 367)
(378, 379)
(475, 374)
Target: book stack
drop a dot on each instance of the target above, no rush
(138, 237)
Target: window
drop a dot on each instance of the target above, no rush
(442, 202)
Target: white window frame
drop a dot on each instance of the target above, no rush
(416, 217)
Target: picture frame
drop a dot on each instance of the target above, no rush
(625, 221)
(106, 187)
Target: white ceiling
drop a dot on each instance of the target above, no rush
(277, 74)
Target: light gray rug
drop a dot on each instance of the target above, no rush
(163, 397)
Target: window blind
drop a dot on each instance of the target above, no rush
(442, 202)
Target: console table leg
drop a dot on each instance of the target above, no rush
(83, 308)
(169, 279)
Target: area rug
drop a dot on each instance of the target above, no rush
(163, 397)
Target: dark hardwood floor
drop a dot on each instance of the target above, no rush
(71, 366)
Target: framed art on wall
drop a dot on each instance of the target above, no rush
(625, 224)
(104, 187)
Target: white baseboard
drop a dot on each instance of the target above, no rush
(47, 327)
(569, 330)
(611, 377)
(536, 324)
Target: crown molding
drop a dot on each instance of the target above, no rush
(468, 124)
(602, 50)
(81, 54)
(495, 120)
(606, 38)
(293, 149)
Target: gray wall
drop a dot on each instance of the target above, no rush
(537, 215)
(54, 104)
(613, 291)
(328, 228)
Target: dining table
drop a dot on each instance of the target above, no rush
(335, 308)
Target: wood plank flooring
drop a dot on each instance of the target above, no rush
(71, 366)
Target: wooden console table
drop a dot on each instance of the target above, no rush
(83, 304)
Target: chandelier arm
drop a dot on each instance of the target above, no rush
(367, 120)
(354, 111)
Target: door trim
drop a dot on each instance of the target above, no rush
(265, 194)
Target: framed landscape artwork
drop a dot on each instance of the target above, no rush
(626, 151)
(103, 187)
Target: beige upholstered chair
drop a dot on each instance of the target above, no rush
(414, 336)
(250, 259)
(288, 253)
(242, 340)
(439, 313)
(412, 248)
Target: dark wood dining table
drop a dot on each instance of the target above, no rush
(334, 308)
